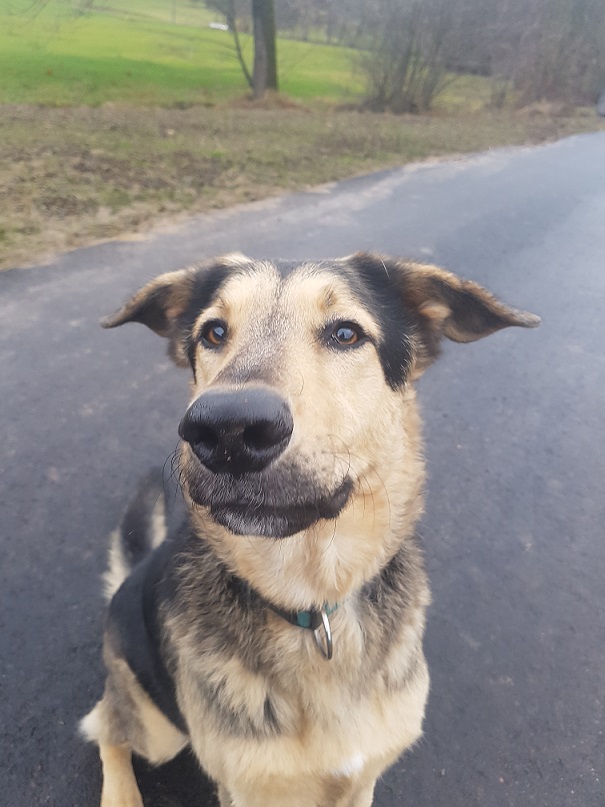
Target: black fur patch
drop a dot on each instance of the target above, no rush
(206, 285)
(136, 531)
(388, 599)
(379, 293)
(134, 632)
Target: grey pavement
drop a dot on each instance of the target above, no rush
(515, 438)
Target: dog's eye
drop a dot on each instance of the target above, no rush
(345, 334)
(213, 333)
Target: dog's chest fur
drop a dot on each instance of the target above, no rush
(244, 674)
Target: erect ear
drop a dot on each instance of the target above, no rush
(170, 303)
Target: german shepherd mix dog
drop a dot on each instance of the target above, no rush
(279, 633)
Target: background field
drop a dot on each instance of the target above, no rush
(116, 118)
(131, 51)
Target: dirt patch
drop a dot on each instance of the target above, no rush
(69, 177)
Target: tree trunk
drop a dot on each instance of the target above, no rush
(265, 55)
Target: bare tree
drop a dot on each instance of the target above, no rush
(263, 76)
(405, 59)
(530, 49)
(560, 51)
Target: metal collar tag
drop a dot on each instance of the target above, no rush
(316, 620)
(325, 644)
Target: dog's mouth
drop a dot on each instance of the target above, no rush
(249, 506)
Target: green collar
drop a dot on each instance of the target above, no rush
(315, 619)
(311, 619)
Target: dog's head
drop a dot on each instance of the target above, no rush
(303, 407)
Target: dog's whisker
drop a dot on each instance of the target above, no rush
(363, 479)
(174, 460)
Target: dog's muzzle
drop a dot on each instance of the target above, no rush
(237, 431)
(236, 435)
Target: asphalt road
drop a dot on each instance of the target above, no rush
(515, 438)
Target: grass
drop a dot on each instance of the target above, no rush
(118, 118)
(133, 52)
(75, 175)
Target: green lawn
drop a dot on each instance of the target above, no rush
(131, 51)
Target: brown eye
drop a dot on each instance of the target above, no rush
(214, 334)
(346, 334)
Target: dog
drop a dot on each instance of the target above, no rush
(279, 633)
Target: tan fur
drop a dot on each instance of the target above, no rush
(344, 722)
(117, 568)
(119, 784)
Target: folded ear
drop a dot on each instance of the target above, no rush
(170, 304)
(459, 309)
(158, 304)
(441, 304)
(446, 305)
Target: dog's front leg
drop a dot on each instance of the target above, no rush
(120, 787)
(363, 797)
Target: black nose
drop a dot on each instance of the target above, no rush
(237, 431)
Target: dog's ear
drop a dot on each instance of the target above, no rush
(170, 303)
(445, 305)
(437, 304)
(160, 305)
(459, 309)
